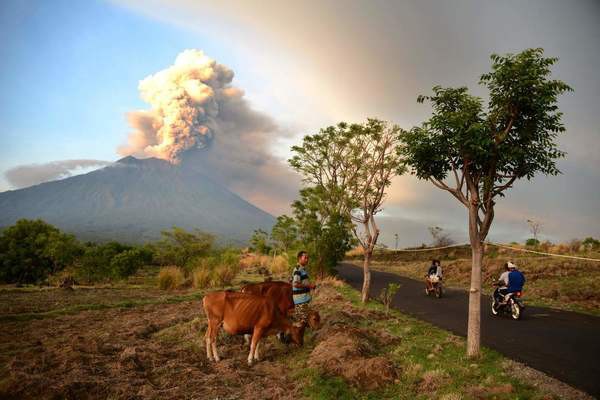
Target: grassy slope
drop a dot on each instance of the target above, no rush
(551, 282)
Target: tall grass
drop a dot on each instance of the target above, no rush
(170, 278)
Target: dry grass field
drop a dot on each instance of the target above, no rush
(134, 341)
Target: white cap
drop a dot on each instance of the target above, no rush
(511, 265)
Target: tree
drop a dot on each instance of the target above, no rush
(352, 164)
(440, 238)
(534, 227)
(485, 151)
(179, 247)
(284, 233)
(260, 241)
(323, 232)
(30, 250)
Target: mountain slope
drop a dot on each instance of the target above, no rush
(133, 200)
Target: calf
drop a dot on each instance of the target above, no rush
(243, 313)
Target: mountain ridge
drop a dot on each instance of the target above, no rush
(133, 200)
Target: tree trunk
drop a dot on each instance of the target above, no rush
(366, 275)
(477, 250)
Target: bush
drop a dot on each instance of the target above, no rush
(201, 278)
(224, 275)
(170, 278)
(590, 243)
(95, 264)
(532, 242)
(31, 250)
(127, 263)
(279, 265)
(179, 247)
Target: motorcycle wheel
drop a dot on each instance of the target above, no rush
(438, 291)
(495, 310)
(515, 310)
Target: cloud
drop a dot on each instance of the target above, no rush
(32, 174)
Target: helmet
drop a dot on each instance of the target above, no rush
(510, 265)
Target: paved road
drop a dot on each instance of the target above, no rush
(565, 345)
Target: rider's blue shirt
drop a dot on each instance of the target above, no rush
(516, 280)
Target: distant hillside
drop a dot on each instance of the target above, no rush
(133, 200)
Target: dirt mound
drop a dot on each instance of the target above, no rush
(346, 352)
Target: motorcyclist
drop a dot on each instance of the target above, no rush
(434, 274)
(513, 280)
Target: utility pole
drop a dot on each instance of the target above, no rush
(396, 236)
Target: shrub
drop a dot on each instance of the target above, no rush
(387, 295)
(224, 275)
(170, 278)
(31, 250)
(179, 247)
(279, 265)
(532, 242)
(575, 245)
(201, 278)
(590, 243)
(127, 263)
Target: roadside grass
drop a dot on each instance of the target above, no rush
(431, 362)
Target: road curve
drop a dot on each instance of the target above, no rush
(564, 345)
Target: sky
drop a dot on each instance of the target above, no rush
(71, 92)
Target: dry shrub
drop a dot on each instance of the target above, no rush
(451, 396)
(575, 245)
(247, 260)
(330, 281)
(355, 252)
(201, 278)
(559, 249)
(264, 261)
(279, 265)
(170, 278)
(224, 275)
(433, 380)
(545, 246)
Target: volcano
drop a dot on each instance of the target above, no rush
(133, 200)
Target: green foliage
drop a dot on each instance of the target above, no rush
(532, 242)
(591, 243)
(260, 242)
(514, 137)
(96, 263)
(284, 233)
(128, 262)
(387, 295)
(179, 247)
(324, 234)
(31, 250)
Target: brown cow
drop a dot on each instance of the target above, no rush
(243, 313)
(281, 293)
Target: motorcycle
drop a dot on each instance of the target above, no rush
(436, 286)
(512, 304)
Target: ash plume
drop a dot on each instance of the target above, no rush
(197, 115)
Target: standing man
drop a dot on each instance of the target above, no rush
(301, 288)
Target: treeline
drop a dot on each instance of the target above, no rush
(32, 251)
